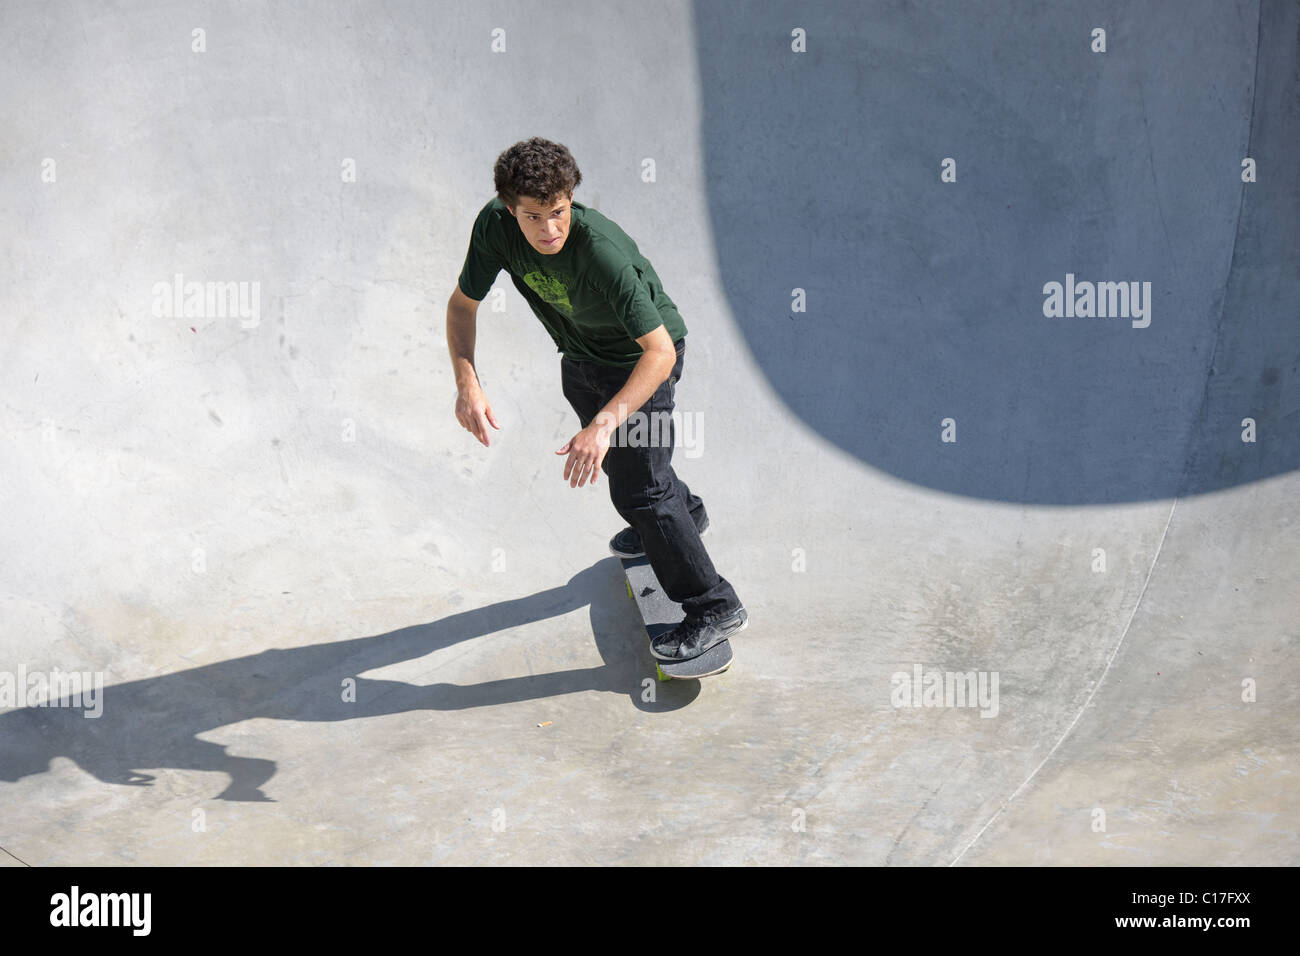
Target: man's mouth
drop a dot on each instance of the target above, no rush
(551, 242)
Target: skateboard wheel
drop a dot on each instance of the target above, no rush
(659, 671)
(629, 591)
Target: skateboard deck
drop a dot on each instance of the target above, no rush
(662, 614)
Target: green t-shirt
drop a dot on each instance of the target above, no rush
(595, 296)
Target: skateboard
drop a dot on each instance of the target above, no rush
(661, 614)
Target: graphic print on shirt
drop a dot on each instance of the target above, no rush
(552, 289)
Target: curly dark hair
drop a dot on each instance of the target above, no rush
(536, 168)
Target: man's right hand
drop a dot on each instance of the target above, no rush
(474, 412)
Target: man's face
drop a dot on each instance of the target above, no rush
(542, 220)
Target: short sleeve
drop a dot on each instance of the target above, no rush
(482, 260)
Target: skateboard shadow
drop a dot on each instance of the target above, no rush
(156, 722)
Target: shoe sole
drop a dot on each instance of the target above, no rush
(663, 675)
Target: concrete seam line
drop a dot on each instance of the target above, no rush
(23, 862)
(1096, 687)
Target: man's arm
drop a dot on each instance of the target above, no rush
(586, 450)
(473, 410)
(658, 356)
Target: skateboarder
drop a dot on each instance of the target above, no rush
(623, 345)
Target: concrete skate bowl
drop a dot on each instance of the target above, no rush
(925, 299)
(329, 559)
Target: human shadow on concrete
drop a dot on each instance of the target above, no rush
(923, 300)
(156, 722)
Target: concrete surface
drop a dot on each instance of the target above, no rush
(239, 521)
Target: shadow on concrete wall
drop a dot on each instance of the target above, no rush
(925, 299)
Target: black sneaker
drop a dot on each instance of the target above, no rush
(692, 637)
(627, 543)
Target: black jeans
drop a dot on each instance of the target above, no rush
(647, 492)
